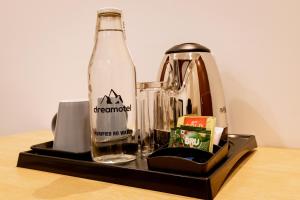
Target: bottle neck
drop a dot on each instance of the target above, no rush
(110, 27)
(110, 37)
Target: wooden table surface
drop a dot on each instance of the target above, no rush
(267, 173)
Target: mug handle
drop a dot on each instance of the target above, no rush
(53, 123)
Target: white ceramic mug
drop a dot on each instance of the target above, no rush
(71, 126)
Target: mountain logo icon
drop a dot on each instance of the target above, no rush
(112, 98)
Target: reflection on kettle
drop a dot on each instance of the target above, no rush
(191, 72)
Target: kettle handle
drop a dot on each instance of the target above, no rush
(205, 94)
(163, 69)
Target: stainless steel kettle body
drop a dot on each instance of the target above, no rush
(191, 72)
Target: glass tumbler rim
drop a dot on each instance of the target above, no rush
(151, 85)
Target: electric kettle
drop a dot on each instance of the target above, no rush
(191, 72)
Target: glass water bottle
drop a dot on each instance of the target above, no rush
(112, 93)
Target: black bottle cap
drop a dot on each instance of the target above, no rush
(187, 47)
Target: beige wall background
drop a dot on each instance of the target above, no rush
(45, 46)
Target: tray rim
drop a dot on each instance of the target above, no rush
(211, 185)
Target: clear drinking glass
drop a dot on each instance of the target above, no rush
(155, 115)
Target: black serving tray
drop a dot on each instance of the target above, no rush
(136, 173)
(47, 149)
(187, 161)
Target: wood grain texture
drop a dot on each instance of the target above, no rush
(267, 173)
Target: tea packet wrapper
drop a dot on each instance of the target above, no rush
(192, 137)
(194, 132)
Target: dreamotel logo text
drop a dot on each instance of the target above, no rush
(114, 100)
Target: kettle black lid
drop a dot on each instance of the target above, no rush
(187, 47)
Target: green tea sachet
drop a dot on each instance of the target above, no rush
(194, 132)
